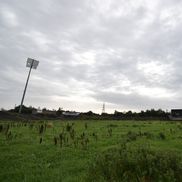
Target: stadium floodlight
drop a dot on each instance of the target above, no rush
(31, 63)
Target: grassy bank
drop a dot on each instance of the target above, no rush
(63, 151)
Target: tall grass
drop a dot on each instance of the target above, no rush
(136, 165)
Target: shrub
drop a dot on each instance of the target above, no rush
(112, 125)
(68, 127)
(134, 125)
(131, 136)
(162, 136)
(1, 128)
(148, 135)
(136, 165)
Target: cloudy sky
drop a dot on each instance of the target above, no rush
(127, 54)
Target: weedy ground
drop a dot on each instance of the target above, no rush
(64, 150)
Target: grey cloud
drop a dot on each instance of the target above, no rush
(135, 101)
(86, 48)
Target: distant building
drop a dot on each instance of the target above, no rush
(71, 113)
(176, 114)
(48, 112)
(36, 111)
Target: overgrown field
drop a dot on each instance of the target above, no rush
(90, 151)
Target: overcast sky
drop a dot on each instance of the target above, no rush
(126, 53)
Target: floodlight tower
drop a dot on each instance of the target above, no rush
(31, 63)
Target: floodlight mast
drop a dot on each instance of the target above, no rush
(32, 64)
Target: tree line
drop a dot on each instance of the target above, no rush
(125, 115)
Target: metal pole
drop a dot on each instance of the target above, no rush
(25, 88)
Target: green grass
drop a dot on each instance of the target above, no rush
(22, 158)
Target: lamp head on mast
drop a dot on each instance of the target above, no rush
(32, 63)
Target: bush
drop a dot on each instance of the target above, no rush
(112, 125)
(148, 135)
(131, 136)
(162, 136)
(139, 165)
